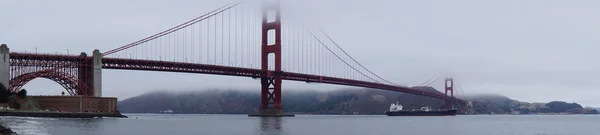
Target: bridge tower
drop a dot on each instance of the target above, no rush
(4, 65)
(84, 75)
(90, 73)
(270, 104)
(97, 73)
(449, 86)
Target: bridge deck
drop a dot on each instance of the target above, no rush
(152, 65)
(167, 66)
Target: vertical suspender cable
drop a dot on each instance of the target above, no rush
(242, 37)
(229, 38)
(168, 52)
(176, 45)
(294, 31)
(316, 55)
(256, 42)
(222, 39)
(328, 37)
(302, 52)
(184, 37)
(192, 45)
(208, 41)
(235, 36)
(215, 43)
(200, 43)
(248, 32)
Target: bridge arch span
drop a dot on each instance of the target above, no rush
(67, 81)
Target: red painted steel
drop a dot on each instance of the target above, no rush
(166, 66)
(71, 72)
(47, 61)
(271, 80)
(75, 73)
(67, 81)
(449, 87)
(171, 30)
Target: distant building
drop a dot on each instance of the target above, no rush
(3, 106)
(77, 103)
(515, 112)
(167, 111)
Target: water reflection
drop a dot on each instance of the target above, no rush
(86, 124)
(271, 126)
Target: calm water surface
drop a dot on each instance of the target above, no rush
(157, 124)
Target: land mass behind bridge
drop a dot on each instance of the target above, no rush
(347, 101)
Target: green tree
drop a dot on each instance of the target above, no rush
(13, 102)
(22, 93)
(4, 93)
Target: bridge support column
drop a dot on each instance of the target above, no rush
(84, 75)
(90, 74)
(270, 104)
(97, 73)
(4, 65)
(449, 86)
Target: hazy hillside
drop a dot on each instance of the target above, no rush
(363, 101)
(497, 104)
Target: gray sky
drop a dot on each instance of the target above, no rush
(529, 50)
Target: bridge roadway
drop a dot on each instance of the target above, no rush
(167, 66)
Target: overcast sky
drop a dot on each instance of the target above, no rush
(529, 50)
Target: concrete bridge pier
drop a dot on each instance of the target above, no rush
(4, 65)
(97, 73)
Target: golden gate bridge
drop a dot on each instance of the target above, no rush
(232, 40)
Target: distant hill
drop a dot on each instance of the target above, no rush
(348, 101)
(361, 101)
(497, 104)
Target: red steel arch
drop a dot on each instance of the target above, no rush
(74, 73)
(67, 81)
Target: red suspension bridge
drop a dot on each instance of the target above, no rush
(233, 40)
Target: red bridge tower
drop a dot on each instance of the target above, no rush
(270, 102)
(449, 83)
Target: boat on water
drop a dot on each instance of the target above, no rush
(396, 110)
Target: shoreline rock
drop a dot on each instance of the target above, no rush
(59, 114)
(6, 131)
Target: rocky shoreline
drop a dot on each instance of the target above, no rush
(6, 131)
(60, 114)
